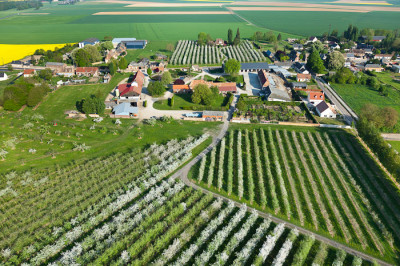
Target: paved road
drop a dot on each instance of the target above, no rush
(348, 114)
(183, 175)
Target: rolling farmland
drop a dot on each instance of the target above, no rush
(319, 180)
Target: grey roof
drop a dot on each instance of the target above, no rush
(299, 84)
(54, 64)
(373, 65)
(213, 113)
(277, 94)
(2, 74)
(249, 66)
(118, 40)
(396, 66)
(91, 40)
(297, 45)
(378, 38)
(125, 109)
(322, 106)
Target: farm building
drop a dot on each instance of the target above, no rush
(396, 68)
(28, 73)
(300, 68)
(219, 41)
(303, 77)
(91, 41)
(299, 85)
(213, 115)
(281, 70)
(125, 110)
(131, 92)
(263, 78)
(373, 67)
(130, 43)
(181, 88)
(55, 66)
(253, 67)
(87, 71)
(297, 47)
(223, 87)
(325, 110)
(159, 56)
(136, 66)
(275, 93)
(3, 76)
(383, 56)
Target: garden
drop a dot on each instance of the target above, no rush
(319, 179)
(258, 110)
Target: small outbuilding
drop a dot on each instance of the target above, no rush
(125, 110)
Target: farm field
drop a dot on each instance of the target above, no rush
(124, 213)
(316, 23)
(356, 96)
(319, 179)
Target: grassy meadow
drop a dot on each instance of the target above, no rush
(356, 96)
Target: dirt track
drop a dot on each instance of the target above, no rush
(274, 8)
(155, 4)
(164, 13)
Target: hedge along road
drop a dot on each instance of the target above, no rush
(183, 175)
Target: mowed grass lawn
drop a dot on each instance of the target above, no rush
(65, 98)
(395, 145)
(356, 96)
(184, 101)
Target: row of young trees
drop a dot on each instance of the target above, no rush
(190, 52)
(282, 157)
(243, 52)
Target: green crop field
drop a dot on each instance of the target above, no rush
(309, 23)
(320, 179)
(356, 96)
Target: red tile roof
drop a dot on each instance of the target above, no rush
(303, 76)
(90, 70)
(226, 86)
(317, 96)
(176, 88)
(262, 76)
(29, 71)
(134, 88)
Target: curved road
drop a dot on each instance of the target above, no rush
(183, 175)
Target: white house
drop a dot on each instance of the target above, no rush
(325, 110)
(91, 41)
(3, 76)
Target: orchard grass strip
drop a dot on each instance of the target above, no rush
(261, 185)
(290, 178)
(249, 167)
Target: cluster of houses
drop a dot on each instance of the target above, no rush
(144, 64)
(62, 69)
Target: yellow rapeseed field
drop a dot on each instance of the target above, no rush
(10, 52)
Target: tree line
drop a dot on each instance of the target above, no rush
(20, 5)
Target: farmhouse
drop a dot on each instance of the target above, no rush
(297, 47)
(312, 39)
(219, 41)
(136, 66)
(125, 110)
(159, 56)
(181, 88)
(300, 68)
(315, 97)
(303, 77)
(373, 67)
(131, 92)
(28, 73)
(213, 115)
(253, 67)
(157, 66)
(91, 41)
(3, 76)
(383, 56)
(87, 71)
(325, 110)
(56, 67)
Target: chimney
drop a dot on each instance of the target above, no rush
(117, 92)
